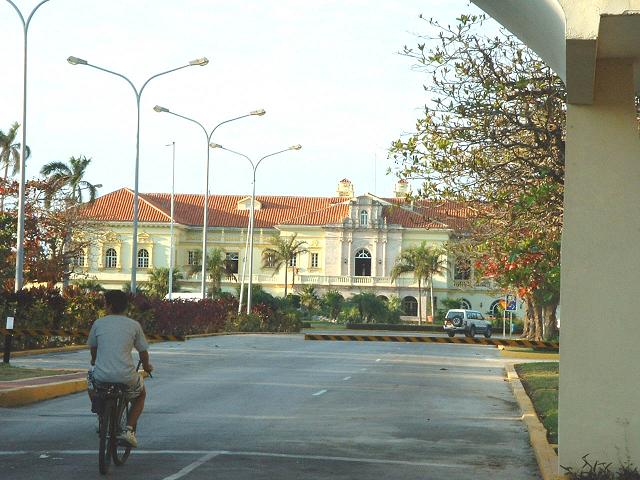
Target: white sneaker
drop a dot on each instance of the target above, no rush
(128, 436)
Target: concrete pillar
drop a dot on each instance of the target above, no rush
(600, 344)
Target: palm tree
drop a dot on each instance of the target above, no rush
(333, 302)
(282, 252)
(70, 178)
(309, 298)
(424, 262)
(158, 283)
(216, 267)
(10, 154)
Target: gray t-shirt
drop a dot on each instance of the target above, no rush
(115, 336)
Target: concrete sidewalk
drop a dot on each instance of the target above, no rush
(16, 393)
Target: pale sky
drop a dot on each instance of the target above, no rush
(327, 72)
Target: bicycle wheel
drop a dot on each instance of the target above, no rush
(104, 452)
(120, 451)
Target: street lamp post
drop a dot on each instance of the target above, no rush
(254, 166)
(19, 276)
(173, 184)
(205, 206)
(134, 247)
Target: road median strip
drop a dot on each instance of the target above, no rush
(40, 332)
(26, 394)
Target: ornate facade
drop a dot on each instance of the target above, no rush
(353, 242)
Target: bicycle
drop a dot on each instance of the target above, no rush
(113, 411)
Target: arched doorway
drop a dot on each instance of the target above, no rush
(410, 306)
(363, 263)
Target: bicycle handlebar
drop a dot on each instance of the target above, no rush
(138, 368)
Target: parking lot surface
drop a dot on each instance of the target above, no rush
(279, 407)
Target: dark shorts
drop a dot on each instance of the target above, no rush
(134, 390)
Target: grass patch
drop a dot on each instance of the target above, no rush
(540, 380)
(9, 372)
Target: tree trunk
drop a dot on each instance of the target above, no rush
(286, 270)
(431, 295)
(537, 317)
(527, 330)
(4, 185)
(550, 319)
(419, 302)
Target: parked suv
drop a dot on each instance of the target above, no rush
(468, 322)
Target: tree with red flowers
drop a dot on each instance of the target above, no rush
(492, 135)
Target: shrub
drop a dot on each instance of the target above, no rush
(602, 471)
(349, 314)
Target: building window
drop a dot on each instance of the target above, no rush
(143, 258)
(462, 269)
(364, 217)
(363, 263)
(78, 260)
(410, 306)
(464, 303)
(193, 257)
(111, 258)
(293, 261)
(269, 260)
(231, 262)
(314, 260)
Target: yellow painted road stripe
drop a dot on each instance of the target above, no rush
(434, 339)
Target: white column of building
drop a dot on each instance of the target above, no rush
(599, 374)
(384, 257)
(374, 258)
(349, 255)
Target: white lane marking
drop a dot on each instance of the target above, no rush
(363, 369)
(189, 468)
(317, 394)
(378, 359)
(346, 378)
(258, 454)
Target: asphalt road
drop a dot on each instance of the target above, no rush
(279, 407)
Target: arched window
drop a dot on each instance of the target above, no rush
(364, 217)
(143, 258)
(410, 306)
(111, 258)
(464, 303)
(383, 298)
(363, 263)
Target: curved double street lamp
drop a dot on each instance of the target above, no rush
(19, 275)
(138, 93)
(208, 135)
(254, 166)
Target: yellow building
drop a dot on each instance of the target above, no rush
(352, 241)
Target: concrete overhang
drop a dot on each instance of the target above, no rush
(570, 35)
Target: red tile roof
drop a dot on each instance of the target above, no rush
(276, 210)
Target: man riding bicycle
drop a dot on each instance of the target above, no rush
(111, 340)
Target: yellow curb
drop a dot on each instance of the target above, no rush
(69, 348)
(545, 455)
(220, 334)
(17, 397)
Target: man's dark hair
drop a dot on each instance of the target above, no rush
(116, 300)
